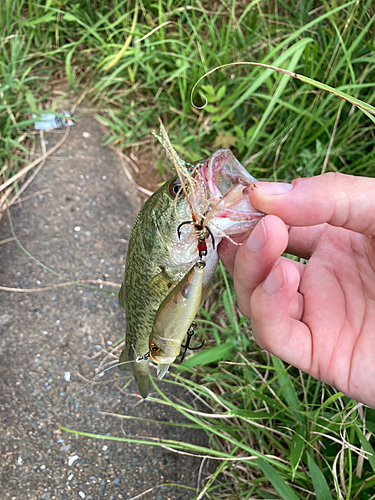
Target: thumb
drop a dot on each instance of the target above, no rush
(338, 199)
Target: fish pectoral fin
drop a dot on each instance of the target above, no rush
(121, 297)
(160, 285)
(123, 365)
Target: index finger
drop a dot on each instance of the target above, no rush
(337, 199)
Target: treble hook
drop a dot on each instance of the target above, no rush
(180, 226)
(189, 334)
(199, 228)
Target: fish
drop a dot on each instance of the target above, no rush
(181, 224)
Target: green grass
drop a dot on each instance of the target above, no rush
(299, 438)
(260, 112)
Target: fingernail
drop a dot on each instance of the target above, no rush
(274, 187)
(275, 280)
(257, 238)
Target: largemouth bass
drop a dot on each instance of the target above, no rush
(176, 226)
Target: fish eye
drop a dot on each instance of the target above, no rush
(154, 348)
(175, 188)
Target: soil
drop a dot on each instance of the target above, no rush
(54, 343)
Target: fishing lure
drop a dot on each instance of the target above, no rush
(174, 318)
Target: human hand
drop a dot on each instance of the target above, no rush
(319, 316)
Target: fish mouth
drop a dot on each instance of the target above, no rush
(228, 184)
(224, 171)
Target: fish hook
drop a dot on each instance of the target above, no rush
(200, 229)
(189, 334)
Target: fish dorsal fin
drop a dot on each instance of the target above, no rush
(160, 285)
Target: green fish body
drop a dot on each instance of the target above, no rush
(160, 255)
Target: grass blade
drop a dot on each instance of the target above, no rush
(319, 482)
(282, 488)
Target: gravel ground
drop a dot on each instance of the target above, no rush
(52, 342)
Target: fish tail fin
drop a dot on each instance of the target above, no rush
(143, 381)
(140, 370)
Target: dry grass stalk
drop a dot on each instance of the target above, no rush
(7, 187)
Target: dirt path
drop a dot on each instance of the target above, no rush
(51, 342)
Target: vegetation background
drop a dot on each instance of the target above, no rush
(278, 433)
